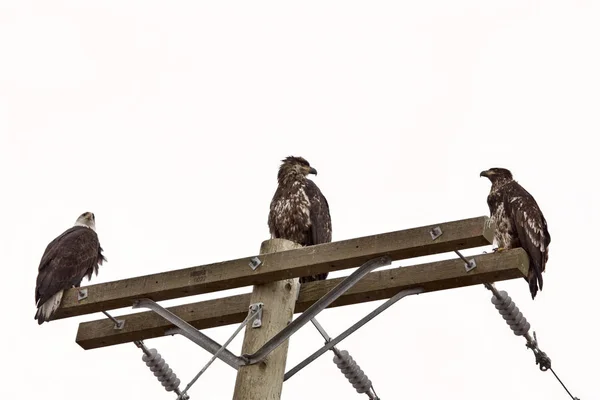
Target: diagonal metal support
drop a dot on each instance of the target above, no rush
(190, 332)
(187, 330)
(331, 343)
(253, 312)
(315, 309)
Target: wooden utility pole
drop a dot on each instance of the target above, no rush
(263, 381)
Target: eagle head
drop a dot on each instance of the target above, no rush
(294, 166)
(87, 219)
(497, 174)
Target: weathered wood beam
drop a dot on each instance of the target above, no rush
(415, 242)
(447, 274)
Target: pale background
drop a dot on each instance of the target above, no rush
(168, 120)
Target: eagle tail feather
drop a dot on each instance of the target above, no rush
(45, 311)
(534, 277)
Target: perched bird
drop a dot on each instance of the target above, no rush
(299, 212)
(70, 257)
(519, 223)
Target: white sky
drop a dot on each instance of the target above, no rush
(168, 120)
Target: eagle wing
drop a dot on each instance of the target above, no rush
(66, 261)
(320, 219)
(532, 231)
(320, 223)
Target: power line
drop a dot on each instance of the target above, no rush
(563, 385)
(518, 323)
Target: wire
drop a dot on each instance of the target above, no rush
(165, 374)
(251, 315)
(563, 385)
(462, 257)
(113, 319)
(351, 370)
(520, 326)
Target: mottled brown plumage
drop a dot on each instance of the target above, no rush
(70, 257)
(299, 212)
(519, 223)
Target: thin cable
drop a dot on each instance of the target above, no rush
(374, 394)
(541, 358)
(140, 344)
(563, 385)
(249, 317)
(462, 257)
(347, 365)
(113, 319)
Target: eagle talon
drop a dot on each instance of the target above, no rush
(498, 249)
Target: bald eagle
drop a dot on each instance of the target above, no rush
(299, 212)
(519, 223)
(70, 257)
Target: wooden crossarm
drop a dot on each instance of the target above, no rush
(441, 275)
(312, 260)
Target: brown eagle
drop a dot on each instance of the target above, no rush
(299, 212)
(70, 257)
(519, 223)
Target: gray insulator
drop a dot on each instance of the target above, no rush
(161, 370)
(511, 314)
(352, 372)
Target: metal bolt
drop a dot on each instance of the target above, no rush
(258, 308)
(471, 265)
(82, 294)
(435, 232)
(254, 263)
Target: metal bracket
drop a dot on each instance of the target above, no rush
(187, 330)
(82, 294)
(315, 309)
(254, 263)
(225, 355)
(257, 323)
(119, 324)
(471, 265)
(435, 232)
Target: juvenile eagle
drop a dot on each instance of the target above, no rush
(299, 212)
(519, 223)
(70, 257)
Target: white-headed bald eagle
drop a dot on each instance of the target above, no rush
(299, 212)
(70, 257)
(519, 223)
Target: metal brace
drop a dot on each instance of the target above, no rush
(257, 323)
(254, 263)
(82, 294)
(332, 342)
(435, 232)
